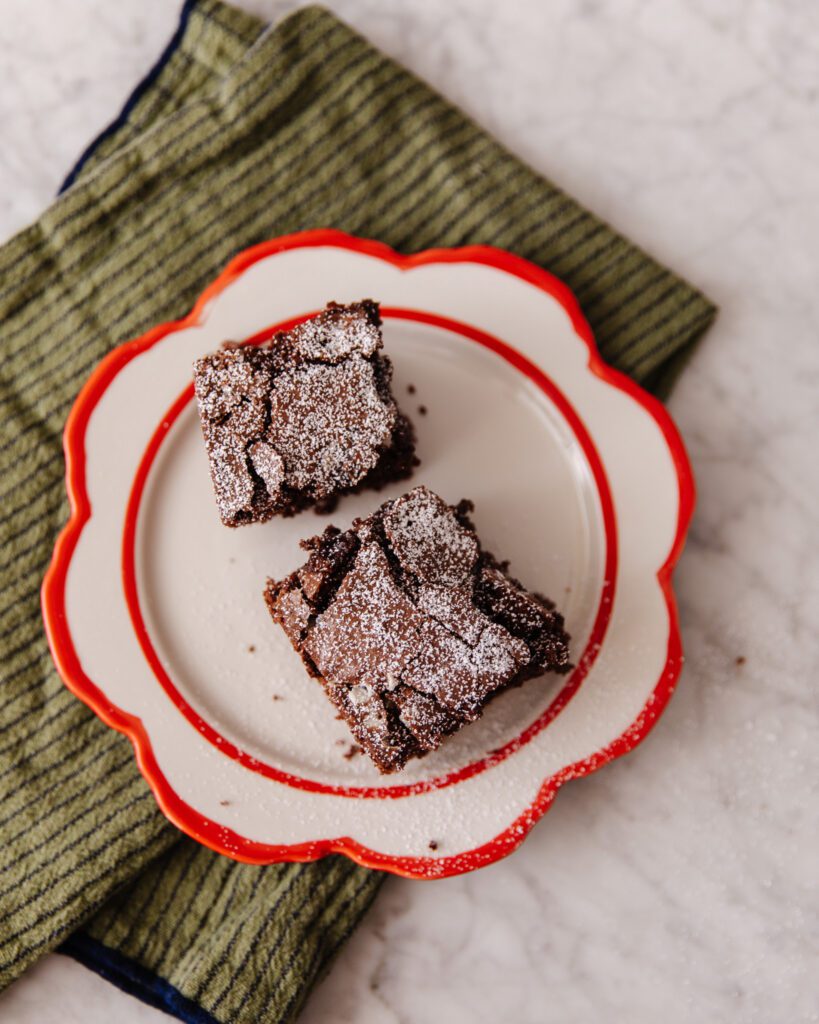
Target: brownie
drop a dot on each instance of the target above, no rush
(411, 627)
(303, 418)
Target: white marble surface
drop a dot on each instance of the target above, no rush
(681, 882)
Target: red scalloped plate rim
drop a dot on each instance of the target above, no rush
(218, 837)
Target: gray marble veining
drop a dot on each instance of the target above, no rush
(680, 883)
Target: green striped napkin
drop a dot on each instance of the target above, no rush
(238, 135)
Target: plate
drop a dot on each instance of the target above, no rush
(154, 611)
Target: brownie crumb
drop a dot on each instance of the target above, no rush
(411, 627)
(740, 660)
(422, 410)
(411, 388)
(302, 418)
(225, 803)
(433, 845)
(251, 649)
(352, 751)
(277, 696)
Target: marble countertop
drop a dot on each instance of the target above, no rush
(681, 882)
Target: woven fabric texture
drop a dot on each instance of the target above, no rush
(242, 134)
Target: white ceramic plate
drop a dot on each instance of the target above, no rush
(154, 611)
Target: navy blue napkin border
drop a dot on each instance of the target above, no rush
(135, 96)
(133, 979)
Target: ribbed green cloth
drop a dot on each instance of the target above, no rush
(244, 134)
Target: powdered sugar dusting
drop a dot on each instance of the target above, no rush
(428, 539)
(268, 464)
(300, 419)
(409, 656)
(335, 334)
(329, 424)
(369, 629)
(360, 693)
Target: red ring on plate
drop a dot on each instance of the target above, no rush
(220, 837)
(567, 691)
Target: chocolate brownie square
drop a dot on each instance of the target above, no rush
(303, 418)
(411, 627)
